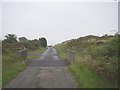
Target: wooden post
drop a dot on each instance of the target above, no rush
(23, 55)
(71, 56)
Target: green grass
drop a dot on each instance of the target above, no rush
(34, 56)
(12, 72)
(11, 65)
(61, 51)
(87, 78)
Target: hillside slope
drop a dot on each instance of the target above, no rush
(96, 60)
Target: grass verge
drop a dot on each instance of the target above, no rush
(12, 73)
(61, 51)
(11, 66)
(87, 78)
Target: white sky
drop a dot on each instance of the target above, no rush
(58, 21)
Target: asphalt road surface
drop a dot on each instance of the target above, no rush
(47, 72)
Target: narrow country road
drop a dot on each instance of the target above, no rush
(47, 72)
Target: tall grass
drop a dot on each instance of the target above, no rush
(87, 78)
(11, 66)
(62, 51)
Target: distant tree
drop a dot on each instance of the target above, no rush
(22, 39)
(43, 42)
(10, 42)
(36, 43)
(11, 38)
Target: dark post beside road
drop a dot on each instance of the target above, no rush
(23, 55)
(71, 56)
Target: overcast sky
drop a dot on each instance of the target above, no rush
(59, 21)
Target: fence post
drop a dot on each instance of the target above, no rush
(23, 55)
(71, 56)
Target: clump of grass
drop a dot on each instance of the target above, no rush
(32, 57)
(62, 51)
(87, 78)
(12, 73)
(11, 66)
